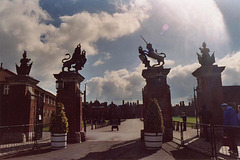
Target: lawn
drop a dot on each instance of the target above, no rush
(189, 119)
(46, 129)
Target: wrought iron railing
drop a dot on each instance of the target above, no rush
(17, 138)
(195, 137)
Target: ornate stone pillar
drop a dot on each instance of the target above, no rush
(209, 85)
(157, 87)
(21, 105)
(69, 93)
(21, 108)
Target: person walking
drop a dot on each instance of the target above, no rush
(230, 119)
(184, 118)
(238, 115)
(205, 117)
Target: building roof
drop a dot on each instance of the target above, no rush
(5, 73)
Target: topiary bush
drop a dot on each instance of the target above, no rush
(153, 122)
(59, 121)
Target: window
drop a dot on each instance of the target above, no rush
(44, 98)
(48, 99)
(6, 89)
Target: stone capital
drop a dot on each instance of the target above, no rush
(155, 72)
(69, 77)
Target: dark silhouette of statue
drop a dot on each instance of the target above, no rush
(205, 59)
(152, 54)
(77, 60)
(24, 68)
(143, 57)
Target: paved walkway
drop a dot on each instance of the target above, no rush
(106, 144)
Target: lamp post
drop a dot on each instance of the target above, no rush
(196, 110)
(84, 109)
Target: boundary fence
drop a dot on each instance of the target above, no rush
(23, 137)
(194, 135)
(18, 138)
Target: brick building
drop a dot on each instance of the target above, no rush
(21, 99)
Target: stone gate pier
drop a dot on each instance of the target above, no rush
(157, 87)
(69, 93)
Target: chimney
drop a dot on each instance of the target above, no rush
(1, 66)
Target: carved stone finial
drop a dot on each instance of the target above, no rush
(205, 59)
(24, 68)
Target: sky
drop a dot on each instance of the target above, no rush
(109, 31)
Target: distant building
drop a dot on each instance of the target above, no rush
(181, 107)
(131, 110)
(231, 95)
(96, 111)
(102, 111)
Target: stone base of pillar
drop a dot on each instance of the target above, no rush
(83, 136)
(168, 135)
(142, 134)
(74, 137)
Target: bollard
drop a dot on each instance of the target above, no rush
(177, 127)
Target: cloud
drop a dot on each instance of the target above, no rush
(182, 71)
(98, 62)
(189, 24)
(24, 26)
(127, 85)
(107, 56)
(116, 86)
(181, 82)
(230, 76)
(88, 28)
(102, 60)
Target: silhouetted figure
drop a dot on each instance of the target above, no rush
(238, 115)
(205, 59)
(184, 118)
(205, 116)
(230, 119)
(143, 57)
(152, 54)
(24, 68)
(78, 59)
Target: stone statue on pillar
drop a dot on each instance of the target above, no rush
(156, 86)
(209, 84)
(78, 59)
(150, 52)
(205, 59)
(24, 68)
(69, 93)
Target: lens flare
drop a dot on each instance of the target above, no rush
(165, 27)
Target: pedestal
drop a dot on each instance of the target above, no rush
(157, 87)
(70, 95)
(209, 90)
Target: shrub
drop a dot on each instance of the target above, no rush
(59, 121)
(153, 122)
